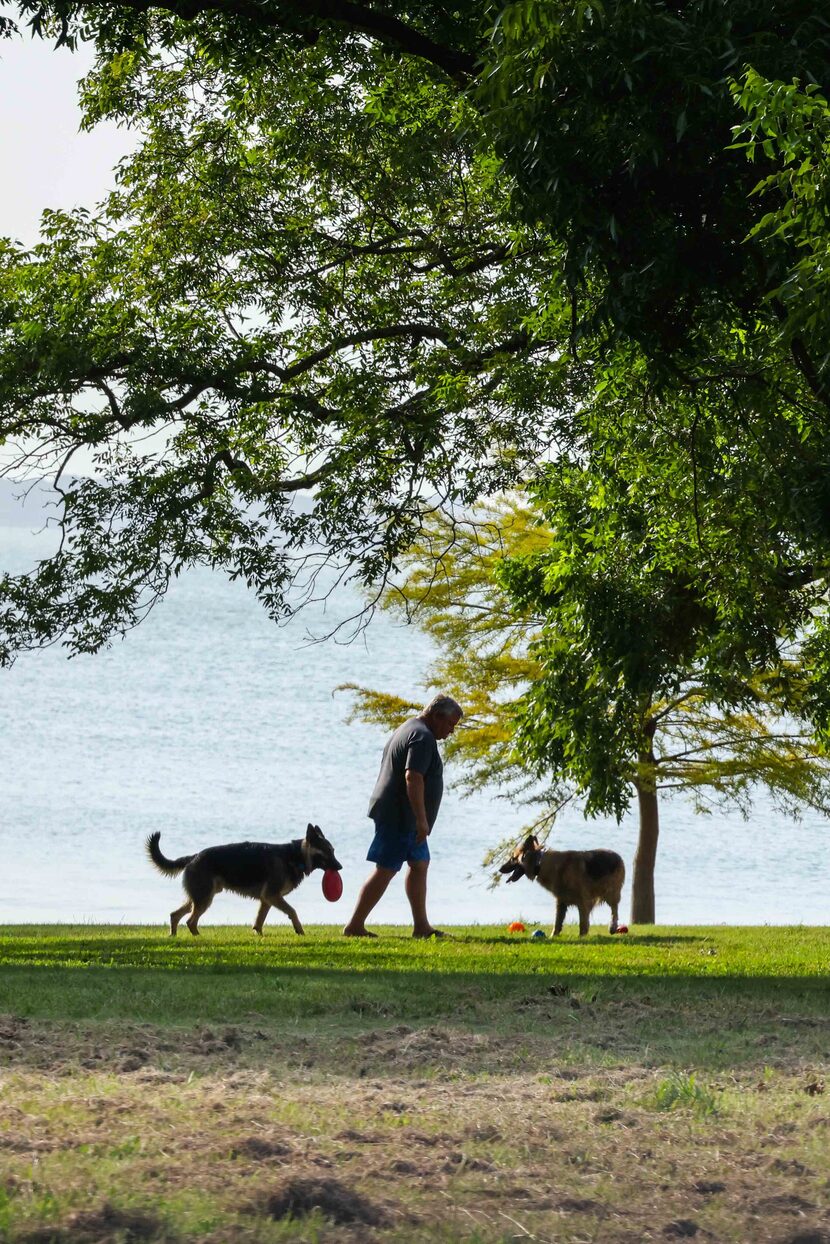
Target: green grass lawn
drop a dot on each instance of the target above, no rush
(81, 972)
(664, 1084)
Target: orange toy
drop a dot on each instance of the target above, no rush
(516, 927)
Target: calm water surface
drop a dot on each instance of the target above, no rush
(212, 725)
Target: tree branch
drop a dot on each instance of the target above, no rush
(419, 331)
(806, 366)
(364, 19)
(223, 457)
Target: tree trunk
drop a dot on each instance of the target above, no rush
(642, 886)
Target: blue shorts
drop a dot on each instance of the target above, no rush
(392, 848)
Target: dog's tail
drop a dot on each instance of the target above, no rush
(170, 868)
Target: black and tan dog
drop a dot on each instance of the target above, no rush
(263, 870)
(578, 879)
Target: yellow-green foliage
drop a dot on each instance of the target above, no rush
(447, 589)
(723, 755)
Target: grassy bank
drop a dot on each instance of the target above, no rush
(667, 1084)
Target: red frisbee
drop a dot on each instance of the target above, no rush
(332, 884)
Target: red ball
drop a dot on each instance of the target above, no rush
(623, 928)
(332, 884)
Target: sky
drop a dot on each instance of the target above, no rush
(45, 158)
(45, 161)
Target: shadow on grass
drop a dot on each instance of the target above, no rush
(490, 1021)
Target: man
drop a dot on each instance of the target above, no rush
(404, 806)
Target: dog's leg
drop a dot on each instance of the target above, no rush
(195, 916)
(561, 911)
(614, 904)
(584, 919)
(175, 917)
(201, 888)
(264, 908)
(200, 906)
(280, 902)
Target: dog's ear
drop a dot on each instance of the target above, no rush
(537, 846)
(530, 844)
(313, 831)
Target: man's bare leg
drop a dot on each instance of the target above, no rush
(416, 892)
(371, 894)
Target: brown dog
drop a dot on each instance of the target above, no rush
(578, 879)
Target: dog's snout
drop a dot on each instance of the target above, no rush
(335, 864)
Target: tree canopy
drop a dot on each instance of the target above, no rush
(613, 117)
(294, 286)
(398, 254)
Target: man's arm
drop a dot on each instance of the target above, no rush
(415, 792)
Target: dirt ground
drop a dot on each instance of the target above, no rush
(114, 1134)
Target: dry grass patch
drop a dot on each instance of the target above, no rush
(247, 1141)
(410, 1094)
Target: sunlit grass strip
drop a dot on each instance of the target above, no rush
(698, 952)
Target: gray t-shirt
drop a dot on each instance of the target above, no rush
(412, 746)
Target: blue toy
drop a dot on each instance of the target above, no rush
(538, 935)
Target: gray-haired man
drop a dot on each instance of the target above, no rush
(404, 806)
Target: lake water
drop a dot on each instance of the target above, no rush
(212, 725)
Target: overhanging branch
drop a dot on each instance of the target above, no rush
(364, 19)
